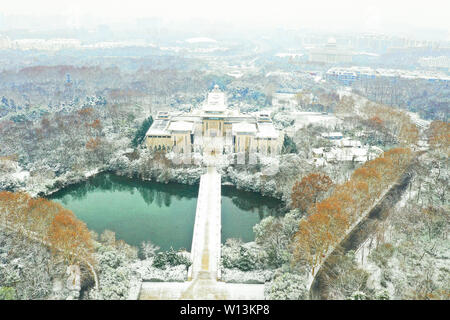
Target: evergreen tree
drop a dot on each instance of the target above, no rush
(140, 133)
(289, 145)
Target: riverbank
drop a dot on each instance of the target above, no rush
(148, 166)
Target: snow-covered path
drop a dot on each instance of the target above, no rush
(205, 249)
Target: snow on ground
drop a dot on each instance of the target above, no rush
(238, 276)
(148, 272)
(222, 291)
(365, 249)
(302, 119)
(344, 92)
(21, 175)
(235, 74)
(418, 121)
(91, 173)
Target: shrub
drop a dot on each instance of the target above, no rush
(381, 255)
(274, 235)
(287, 286)
(111, 259)
(358, 295)
(237, 255)
(289, 145)
(170, 258)
(382, 295)
(246, 261)
(7, 293)
(148, 250)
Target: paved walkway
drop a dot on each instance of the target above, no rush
(200, 290)
(205, 249)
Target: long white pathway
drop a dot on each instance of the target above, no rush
(205, 249)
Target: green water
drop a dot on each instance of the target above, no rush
(162, 213)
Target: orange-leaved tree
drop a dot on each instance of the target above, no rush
(41, 214)
(439, 136)
(312, 240)
(93, 144)
(70, 237)
(49, 222)
(306, 192)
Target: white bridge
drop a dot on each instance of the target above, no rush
(205, 249)
(204, 274)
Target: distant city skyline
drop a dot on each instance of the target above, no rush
(381, 16)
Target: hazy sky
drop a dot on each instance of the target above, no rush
(366, 15)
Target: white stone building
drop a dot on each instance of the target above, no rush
(214, 128)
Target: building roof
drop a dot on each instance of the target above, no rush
(332, 134)
(158, 127)
(376, 149)
(266, 130)
(348, 143)
(264, 118)
(319, 162)
(243, 127)
(162, 115)
(317, 150)
(350, 154)
(181, 126)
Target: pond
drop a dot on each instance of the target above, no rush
(164, 214)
